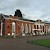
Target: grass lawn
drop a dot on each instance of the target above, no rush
(41, 42)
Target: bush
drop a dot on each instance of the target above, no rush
(1, 36)
(8, 36)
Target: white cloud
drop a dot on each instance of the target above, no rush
(33, 9)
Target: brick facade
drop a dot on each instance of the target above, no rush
(24, 27)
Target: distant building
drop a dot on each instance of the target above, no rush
(10, 25)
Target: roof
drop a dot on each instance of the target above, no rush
(47, 22)
(2, 16)
(26, 19)
(7, 16)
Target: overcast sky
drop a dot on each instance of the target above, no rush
(33, 9)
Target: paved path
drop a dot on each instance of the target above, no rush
(21, 44)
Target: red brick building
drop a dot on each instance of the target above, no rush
(10, 25)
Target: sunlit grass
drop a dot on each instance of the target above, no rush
(41, 42)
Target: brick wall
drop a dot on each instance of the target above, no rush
(8, 26)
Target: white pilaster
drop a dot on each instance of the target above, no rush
(13, 28)
(22, 28)
(39, 30)
(29, 28)
(36, 26)
(42, 29)
(26, 28)
(46, 30)
(1, 28)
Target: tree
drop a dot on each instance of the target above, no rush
(18, 13)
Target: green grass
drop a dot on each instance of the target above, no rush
(41, 42)
(8, 36)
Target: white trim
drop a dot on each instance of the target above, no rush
(36, 29)
(22, 20)
(42, 29)
(36, 26)
(26, 28)
(17, 19)
(39, 24)
(13, 28)
(46, 30)
(32, 28)
(1, 28)
(22, 28)
(29, 28)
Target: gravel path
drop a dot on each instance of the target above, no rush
(21, 43)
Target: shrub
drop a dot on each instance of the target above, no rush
(8, 36)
